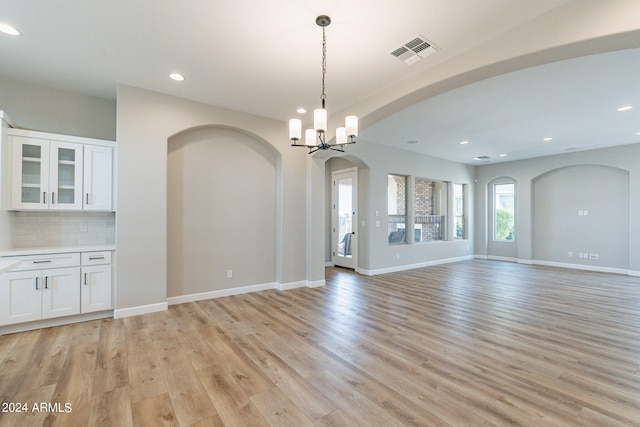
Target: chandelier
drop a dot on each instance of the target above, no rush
(315, 139)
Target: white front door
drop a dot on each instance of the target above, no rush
(344, 217)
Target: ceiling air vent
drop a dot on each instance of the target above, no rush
(482, 158)
(414, 50)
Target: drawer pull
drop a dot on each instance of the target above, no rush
(87, 198)
(85, 279)
(37, 289)
(42, 261)
(96, 257)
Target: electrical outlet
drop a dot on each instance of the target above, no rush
(570, 254)
(594, 256)
(83, 227)
(229, 274)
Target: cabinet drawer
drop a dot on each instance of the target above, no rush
(39, 262)
(97, 257)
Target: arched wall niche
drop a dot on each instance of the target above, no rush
(223, 211)
(582, 209)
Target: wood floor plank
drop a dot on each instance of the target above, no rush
(156, 411)
(145, 376)
(278, 410)
(111, 409)
(474, 343)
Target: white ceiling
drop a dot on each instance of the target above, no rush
(264, 58)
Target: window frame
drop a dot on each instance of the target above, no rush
(496, 209)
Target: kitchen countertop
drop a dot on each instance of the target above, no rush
(7, 265)
(56, 250)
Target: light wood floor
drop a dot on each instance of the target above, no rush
(472, 343)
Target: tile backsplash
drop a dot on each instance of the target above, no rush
(62, 229)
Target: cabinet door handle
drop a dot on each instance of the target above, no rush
(85, 279)
(53, 198)
(87, 198)
(44, 197)
(43, 261)
(37, 289)
(96, 257)
(46, 282)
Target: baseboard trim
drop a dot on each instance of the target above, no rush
(244, 290)
(58, 321)
(316, 283)
(290, 285)
(584, 267)
(219, 293)
(142, 309)
(405, 267)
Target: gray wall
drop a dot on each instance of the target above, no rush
(221, 211)
(375, 162)
(56, 111)
(146, 122)
(550, 193)
(558, 198)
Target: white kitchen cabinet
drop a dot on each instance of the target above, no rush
(59, 172)
(96, 282)
(98, 178)
(46, 174)
(20, 299)
(39, 294)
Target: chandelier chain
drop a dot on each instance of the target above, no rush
(324, 65)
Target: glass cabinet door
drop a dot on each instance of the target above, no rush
(30, 173)
(46, 174)
(65, 175)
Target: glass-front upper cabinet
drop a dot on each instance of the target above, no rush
(65, 175)
(46, 174)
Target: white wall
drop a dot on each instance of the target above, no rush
(615, 171)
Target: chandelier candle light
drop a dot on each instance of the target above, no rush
(344, 135)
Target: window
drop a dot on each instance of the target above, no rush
(459, 210)
(504, 211)
(430, 210)
(397, 208)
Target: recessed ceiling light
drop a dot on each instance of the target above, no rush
(412, 141)
(177, 77)
(548, 139)
(625, 108)
(8, 29)
(503, 155)
(301, 110)
(637, 133)
(464, 142)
